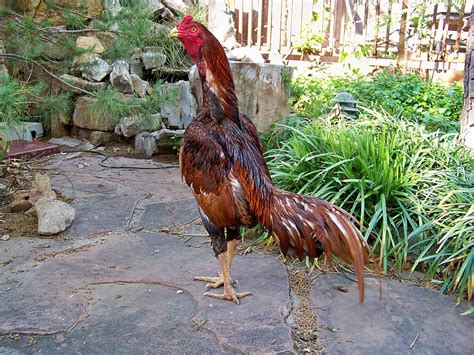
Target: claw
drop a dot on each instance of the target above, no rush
(231, 296)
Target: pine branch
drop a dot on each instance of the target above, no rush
(24, 59)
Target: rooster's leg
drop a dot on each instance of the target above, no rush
(229, 292)
(225, 258)
(218, 243)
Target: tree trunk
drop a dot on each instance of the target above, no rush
(467, 116)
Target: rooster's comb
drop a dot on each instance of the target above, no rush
(186, 20)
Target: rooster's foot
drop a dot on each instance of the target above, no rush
(213, 282)
(229, 295)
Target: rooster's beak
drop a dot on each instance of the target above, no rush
(174, 32)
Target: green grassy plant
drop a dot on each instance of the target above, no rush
(436, 106)
(410, 190)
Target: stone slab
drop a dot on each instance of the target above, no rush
(390, 325)
(121, 295)
(30, 149)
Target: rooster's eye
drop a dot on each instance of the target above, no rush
(193, 29)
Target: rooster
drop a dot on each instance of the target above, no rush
(221, 160)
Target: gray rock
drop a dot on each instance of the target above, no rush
(67, 141)
(98, 137)
(152, 143)
(136, 64)
(84, 117)
(5, 237)
(140, 87)
(54, 216)
(81, 84)
(196, 86)
(246, 55)
(181, 109)
(97, 71)
(120, 77)
(133, 125)
(153, 58)
(262, 90)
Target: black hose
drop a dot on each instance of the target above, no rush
(105, 157)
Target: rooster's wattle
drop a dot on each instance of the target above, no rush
(221, 160)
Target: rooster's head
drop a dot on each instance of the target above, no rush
(192, 34)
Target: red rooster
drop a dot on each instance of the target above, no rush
(221, 160)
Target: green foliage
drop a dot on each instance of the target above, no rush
(411, 191)
(311, 39)
(137, 30)
(110, 105)
(435, 105)
(16, 100)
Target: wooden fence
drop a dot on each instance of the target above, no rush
(415, 34)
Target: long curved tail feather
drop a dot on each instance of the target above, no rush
(312, 226)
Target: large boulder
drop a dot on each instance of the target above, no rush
(221, 23)
(181, 109)
(263, 91)
(84, 116)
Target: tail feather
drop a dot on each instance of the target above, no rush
(308, 225)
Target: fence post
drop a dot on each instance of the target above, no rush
(467, 116)
(401, 58)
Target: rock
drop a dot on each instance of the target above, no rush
(42, 184)
(140, 87)
(196, 86)
(156, 142)
(112, 7)
(153, 58)
(53, 10)
(90, 43)
(179, 111)
(136, 64)
(59, 123)
(66, 141)
(23, 200)
(53, 216)
(131, 126)
(246, 55)
(106, 37)
(98, 137)
(262, 91)
(221, 23)
(120, 77)
(84, 117)
(81, 84)
(97, 70)
(5, 237)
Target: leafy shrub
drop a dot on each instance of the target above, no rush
(435, 105)
(410, 190)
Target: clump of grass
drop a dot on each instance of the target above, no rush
(410, 190)
(111, 105)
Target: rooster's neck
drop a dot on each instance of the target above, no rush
(219, 96)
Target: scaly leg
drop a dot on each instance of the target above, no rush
(226, 259)
(216, 282)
